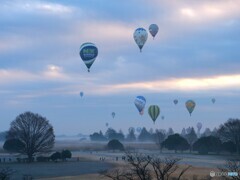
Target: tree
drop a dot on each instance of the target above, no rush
(191, 138)
(214, 132)
(115, 144)
(13, 145)
(6, 173)
(147, 167)
(231, 165)
(66, 154)
(170, 132)
(97, 137)
(131, 135)
(183, 133)
(112, 134)
(176, 142)
(159, 138)
(3, 136)
(229, 131)
(34, 131)
(145, 135)
(229, 146)
(207, 132)
(207, 144)
(55, 156)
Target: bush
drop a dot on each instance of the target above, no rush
(229, 146)
(115, 145)
(13, 145)
(66, 154)
(204, 145)
(55, 156)
(176, 142)
(42, 159)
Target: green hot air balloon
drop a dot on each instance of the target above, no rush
(190, 105)
(154, 112)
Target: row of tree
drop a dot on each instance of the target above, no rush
(225, 138)
(146, 135)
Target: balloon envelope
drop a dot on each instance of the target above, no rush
(113, 114)
(140, 36)
(199, 125)
(88, 53)
(153, 29)
(139, 129)
(175, 101)
(213, 100)
(81, 94)
(140, 102)
(153, 112)
(190, 105)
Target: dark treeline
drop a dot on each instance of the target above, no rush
(225, 138)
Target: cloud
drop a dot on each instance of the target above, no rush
(176, 84)
(16, 76)
(35, 7)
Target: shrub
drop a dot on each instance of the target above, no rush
(115, 145)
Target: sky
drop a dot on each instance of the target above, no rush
(195, 55)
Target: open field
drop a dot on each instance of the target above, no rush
(52, 169)
(89, 164)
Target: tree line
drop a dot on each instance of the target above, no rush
(225, 138)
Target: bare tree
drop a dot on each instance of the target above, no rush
(145, 167)
(6, 173)
(231, 165)
(34, 131)
(229, 131)
(160, 136)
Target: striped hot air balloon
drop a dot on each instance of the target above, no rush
(154, 112)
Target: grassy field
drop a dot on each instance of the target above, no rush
(89, 165)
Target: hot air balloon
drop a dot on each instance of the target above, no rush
(213, 100)
(106, 124)
(131, 129)
(153, 29)
(140, 36)
(139, 129)
(113, 114)
(81, 94)
(140, 102)
(162, 117)
(199, 126)
(175, 101)
(88, 53)
(153, 112)
(190, 105)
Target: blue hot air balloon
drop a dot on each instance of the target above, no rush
(140, 102)
(153, 29)
(88, 53)
(81, 94)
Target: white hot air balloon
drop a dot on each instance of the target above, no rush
(140, 36)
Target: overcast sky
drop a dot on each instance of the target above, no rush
(195, 55)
